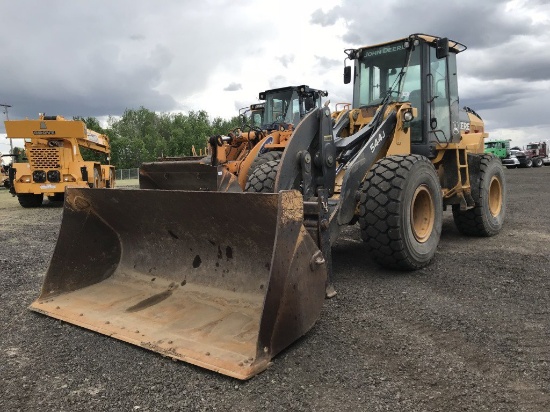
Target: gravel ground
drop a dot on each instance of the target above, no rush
(471, 332)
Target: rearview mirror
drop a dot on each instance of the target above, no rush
(347, 74)
(442, 48)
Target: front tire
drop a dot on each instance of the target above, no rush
(401, 212)
(489, 192)
(263, 158)
(27, 200)
(262, 179)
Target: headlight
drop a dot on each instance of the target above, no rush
(54, 176)
(68, 178)
(39, 176)
(25, 179)
(408, 116)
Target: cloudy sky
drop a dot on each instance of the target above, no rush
(98, 58)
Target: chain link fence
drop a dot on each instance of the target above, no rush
(126, 174)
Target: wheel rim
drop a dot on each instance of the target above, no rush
(495, 196)
(422, 214)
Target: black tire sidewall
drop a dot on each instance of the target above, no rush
(263, 158)
(493, 223)
(28, 200)
(262, 180)
(385, 214)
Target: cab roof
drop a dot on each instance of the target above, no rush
(454, 46)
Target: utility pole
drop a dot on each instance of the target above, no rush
(5, 110)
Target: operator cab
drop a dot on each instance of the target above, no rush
(288, 105)
(420, 69)
(253, 115)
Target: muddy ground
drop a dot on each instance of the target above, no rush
(471, 332)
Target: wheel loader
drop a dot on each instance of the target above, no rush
(226, 279)
(234, 156)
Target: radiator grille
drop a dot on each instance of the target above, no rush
(44, 157)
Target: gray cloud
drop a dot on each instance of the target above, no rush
(286, 60)
(278, 81)
(326, 63)
(473, 22)
(97, 59)
(517, 60)
(233, 87)
(326, 19)
(504, 75)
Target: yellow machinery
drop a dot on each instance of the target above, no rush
(52, 145)
(267, 128)
(226, 279)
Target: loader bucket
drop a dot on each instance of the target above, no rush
(224, 281)
(187, 175)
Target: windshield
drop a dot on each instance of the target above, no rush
(283, 106)
(532, 146)
(255, 117)
(378, 70)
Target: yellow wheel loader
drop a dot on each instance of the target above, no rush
(226, 279)
(266, 129)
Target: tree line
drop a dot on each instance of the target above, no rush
(141, 135)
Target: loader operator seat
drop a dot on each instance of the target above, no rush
(415, 97)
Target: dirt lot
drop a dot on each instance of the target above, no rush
(470, 332)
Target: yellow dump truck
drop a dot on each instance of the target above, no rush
(52, 145)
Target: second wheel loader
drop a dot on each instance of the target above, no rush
(228, 280)
(233, 157)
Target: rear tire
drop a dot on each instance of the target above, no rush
(537, 162)
(30, 200)
(262, 180)
(401, 212)
(487, 217)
